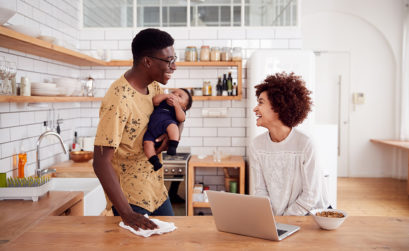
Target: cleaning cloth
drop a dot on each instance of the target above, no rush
(163, 227)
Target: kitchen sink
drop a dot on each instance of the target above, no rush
(94, 198)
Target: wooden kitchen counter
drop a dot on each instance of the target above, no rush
(199, 233)
(401, 144)
(18, 216)
(71, 169)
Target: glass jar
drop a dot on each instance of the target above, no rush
(191, 54)
(215, 54)
(225, 55)
(205, 53)
(236, 54)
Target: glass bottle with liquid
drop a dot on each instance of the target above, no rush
(224, 90)
(219, 87)
(229, 85)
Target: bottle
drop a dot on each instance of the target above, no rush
(229, 85)
(234, 93)
(22, 159)
(75, 145)
(209, 88)
(224, 91)
(219, 87)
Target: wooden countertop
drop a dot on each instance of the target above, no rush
(18, 216)
(391, 142)
(200, 233)
(71, 169)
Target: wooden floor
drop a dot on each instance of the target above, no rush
(373, 196)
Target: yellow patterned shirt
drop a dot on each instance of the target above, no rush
(123, 120)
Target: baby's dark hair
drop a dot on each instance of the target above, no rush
(189, 103)
(147, 41)
(288, 97)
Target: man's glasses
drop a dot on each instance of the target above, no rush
(170, 62)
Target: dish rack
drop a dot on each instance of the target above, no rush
(32, 192)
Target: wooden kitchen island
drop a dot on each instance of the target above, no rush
(200, 233)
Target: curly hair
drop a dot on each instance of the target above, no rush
(288, 97)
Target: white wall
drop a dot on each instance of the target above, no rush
(21, 124)
(371, 32)
(202, 134)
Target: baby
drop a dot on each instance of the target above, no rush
(169, 112)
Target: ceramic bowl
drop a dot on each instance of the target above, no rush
(81, 156)
(331, 222)
(5, 15)
(26, 30)
(49, 39)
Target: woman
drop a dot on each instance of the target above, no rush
(283, 159)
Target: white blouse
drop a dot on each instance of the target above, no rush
(287, 173)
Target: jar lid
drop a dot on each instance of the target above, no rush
(205, 46)
(192, 47)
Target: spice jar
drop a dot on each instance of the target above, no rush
(225, 55)
(236, 54)
(215, 54)
(191, 54)
(204, 53)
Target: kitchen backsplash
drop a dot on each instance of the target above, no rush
(202, 134)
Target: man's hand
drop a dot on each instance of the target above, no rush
(136, 221)
(164, 139)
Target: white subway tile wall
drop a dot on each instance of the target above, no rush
(20, 124)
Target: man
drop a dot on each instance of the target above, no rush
(128, 179)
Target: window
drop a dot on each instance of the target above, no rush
(193, 13)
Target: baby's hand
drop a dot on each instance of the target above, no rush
(172, 100)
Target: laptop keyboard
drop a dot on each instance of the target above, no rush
(281, 232)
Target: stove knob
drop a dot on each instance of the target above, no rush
(166, 170)
(180, 170)
(173, 170)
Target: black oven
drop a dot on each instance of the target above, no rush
(175, 176)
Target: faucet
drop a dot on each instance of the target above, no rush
(40, 172)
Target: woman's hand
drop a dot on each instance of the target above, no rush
(136, 221)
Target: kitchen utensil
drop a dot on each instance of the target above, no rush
(81, 156)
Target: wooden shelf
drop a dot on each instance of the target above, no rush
(30, 45)
(237, 64)
(201, 204)
(208, 162)
(45, 99)
(20, 42)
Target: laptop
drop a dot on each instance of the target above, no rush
(247, 215)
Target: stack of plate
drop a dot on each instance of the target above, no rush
(70, 87)
(45, 89)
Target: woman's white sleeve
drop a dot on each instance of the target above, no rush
(257, 173)
(310, 196)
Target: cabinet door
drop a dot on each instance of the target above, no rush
(75, 210)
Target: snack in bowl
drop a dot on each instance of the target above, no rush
(329, 219)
